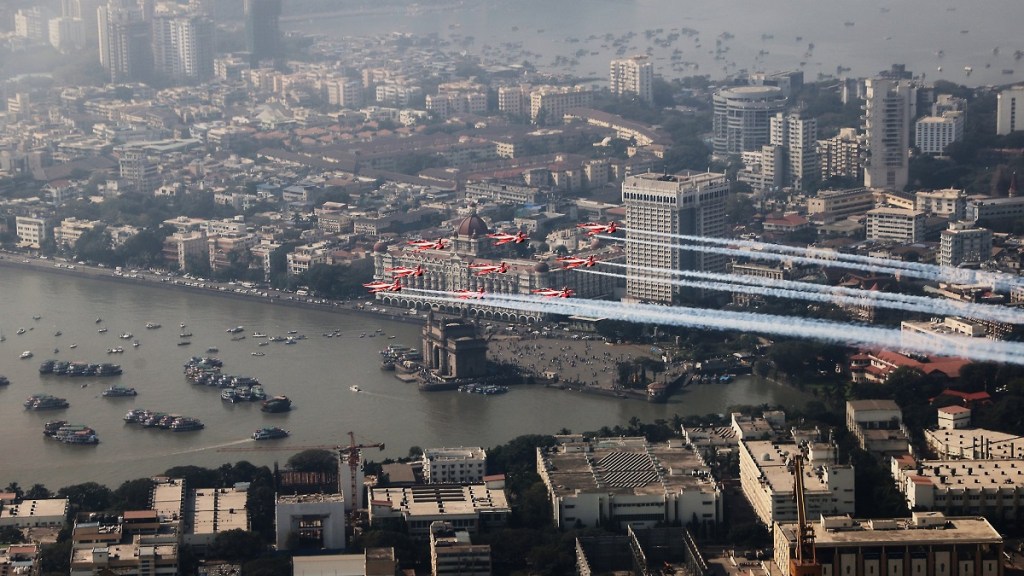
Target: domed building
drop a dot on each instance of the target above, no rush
(447, 271)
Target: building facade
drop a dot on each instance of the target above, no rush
(183, 47)
(462, 465)
(895, 224)
(798, 136)
(888, 111)
(262, 31)
(632, 76)
(742, 117)
(657, 205)
(962, 242)
(932, 134)
(1010, 110)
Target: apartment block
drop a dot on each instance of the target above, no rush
(896, 224)
(842, 155)
(767, 481)
(949, 202)
(933, 134)
(632, 76)
(1010, 110)
(742, 117)
(834, 205)
(963, 242)
(453, 553)
(454, 465)
(31, 231)
(927, 543)
(549, 104)
(888, 110)
(878, 426)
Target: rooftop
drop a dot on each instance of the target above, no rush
(937, 529)
(968, 475)
(441, 499)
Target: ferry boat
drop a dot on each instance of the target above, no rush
(152, 325)
(229, 395)
(235, 330)
(45, 402)
(26, 354)
(71, 433)
(116, 391)
(47, 367)
(277, 404)
(270, 433)
(185, 424)
(258, 335)
(256, 393)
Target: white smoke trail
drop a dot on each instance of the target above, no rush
(777, 257)
(906, 302)
(930, 271)
(789, 326)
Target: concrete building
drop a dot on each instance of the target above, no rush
(454, 465)
(32, 23)
(927, 543)
(878, 426)
(691, 203)
(183, 46)
(311, 520)
(1010, 110)
(954, 332)
(213, 511)
(139, 172)
(70, 230)
(954, 417)
(798, 136)
(742, 117)
(974, 443)
(31, 231)
(345, 92)
(628, 482)
(18, 559)
(549, 104)
(963, 242)
(768, 483)
(262, 31)
(932, 134)
(124, 42)
(896, 224)
(989, 487)
(842, 155)
(66, 33)
(995, 210)
(832, 205)
(453, 553)
(51, 512)
(471, 507)
(757, 270)
(632, 76)
(949, 202)
(888, 110)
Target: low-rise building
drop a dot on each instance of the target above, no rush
(950, 202)
(995, 210)
(832, 205)
(933, 134)
(925, 543)
(32, 231)
(767, 481)
(896, 224)
(974, 444)
(19, 559)
(989, 487)
(454, 465)
(470, 507)
(628, 482)
(963, 243)
(214, 511)
(878, 426)
(51, 512)
(954, 417)
(316, 520)
(452, 552)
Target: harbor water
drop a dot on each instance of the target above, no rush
(317, 373)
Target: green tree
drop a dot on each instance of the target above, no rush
(314, 460)
(38, 492)
(55, 558)
(195, 476)
(11, 535)
(87, 497)
(133, 494)
(236, 546)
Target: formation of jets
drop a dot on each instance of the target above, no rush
(376, 287)
(573, 262)
(594, 228)
(484, 269)
(403, 272)
(439, 244)
(503, 238)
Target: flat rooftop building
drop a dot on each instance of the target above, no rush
(628, 481)
(926, 543)
(974, 444)
(35, 513)
(989, 488)
(215, 510)
(469, 507)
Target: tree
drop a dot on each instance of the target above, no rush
(236, 546)
(94, 246)
(133, 494)
(87, 497)
(55, 558)
(38, 492)
(314, 460)
(11, 535)
(15, 488)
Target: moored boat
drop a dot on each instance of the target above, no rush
(4, 381)
(270, 433)
(118, 391)
(45, 402)
(27, 354)
(277, 404)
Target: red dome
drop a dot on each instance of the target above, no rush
(473, 226)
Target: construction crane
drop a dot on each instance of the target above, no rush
(349, 453)
(805, 561)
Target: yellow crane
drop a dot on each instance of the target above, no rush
(804, 562)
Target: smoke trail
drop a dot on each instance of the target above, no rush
(776, 257)
(943, 273)
(790, 326)
(906, 302)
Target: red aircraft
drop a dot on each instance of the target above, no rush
(573, 262)
(595, 228)
(554, 293)
(470, 294)
(484, 269)
(402, 272)
(376, 287)
(503, 238)
(439, 244)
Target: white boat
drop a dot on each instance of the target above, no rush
(355, 388)
(258, 335)
(73, 346)
(26, 354)
(125, 336)
(21, 331)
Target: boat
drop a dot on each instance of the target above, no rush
(258, 335)
(264, 344)
(184, 343)
(57, 333)
(213, 349)
(185, 335)
(235, 330)
(293, 331)
(257, 353)
(26, 354)
(185, 424)
(125, 336)
(277, 404)
(118, 392)
(270, 433)
(36, 316)
(237, 338)
(47, 367)
(256, 393)
(117, 350)
(229, 395)
(135, 343)
(101, 331)
(73, 346)
(182, 324)
(152, 326)
(355, 388)
(98, 320)
(70, 433)
(21, 331)
(4, 381)
(45, 402)
(51, 427)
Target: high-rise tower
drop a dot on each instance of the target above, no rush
(888, 112)
(262, 34)
(690, 203)
(124, 41)
(183, 46)
(742, 117)
(632, 76)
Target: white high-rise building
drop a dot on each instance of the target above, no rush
(124, 41)
(67, 33)
(689, 203)
(932, 134)
(742, 117)
(896, 224)
(1010, 110)
(183, 46)
(962, 242)
(634, 75)
(888, 112)
(32, 23)
(798, 137)
(842, 155)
